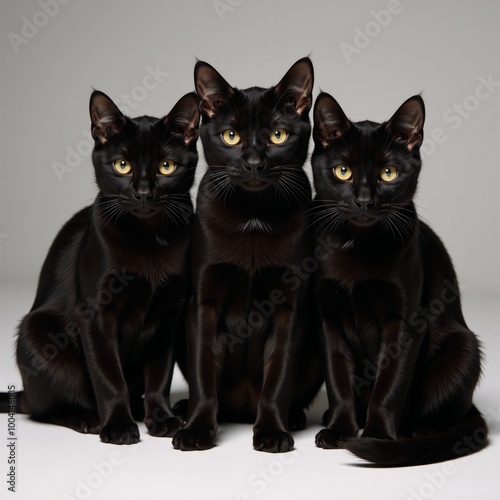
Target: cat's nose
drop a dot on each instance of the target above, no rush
(254, 166)
(364, 203)
(143, 195)
(363, 199)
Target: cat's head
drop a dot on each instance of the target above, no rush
(144, 166)
(256, 138)
(366, 172)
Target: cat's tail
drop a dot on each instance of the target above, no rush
(12, 402)
(467, 436)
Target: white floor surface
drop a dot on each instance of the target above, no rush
(55, 463)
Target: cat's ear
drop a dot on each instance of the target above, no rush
(330, 121)
(211, 88)
(107, 119)
(407, 123)
(184, 118)
(295, 88)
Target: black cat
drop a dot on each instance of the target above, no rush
(400, 361)
(250, 352)
(114, 287)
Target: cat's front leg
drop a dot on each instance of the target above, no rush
(281, 351)
(100, 345)
(340, 419)
(334, 308)
(396, 363)
(206, 355)
(159, 418)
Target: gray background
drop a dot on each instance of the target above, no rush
(437, 48)
(442, 49)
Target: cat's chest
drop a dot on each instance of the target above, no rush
(255, 242)
(152, 259)
(350, 265)
(154, 264)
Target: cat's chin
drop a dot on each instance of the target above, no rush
(363, 220)
(255, 185)
(143, 212)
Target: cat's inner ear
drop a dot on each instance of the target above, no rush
(212, 89)
(296, 86)
(185, 118)
(107, 119)
(330, 121)
(407, 123)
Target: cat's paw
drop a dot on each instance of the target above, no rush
(120, 433)
(273, 441)
(90, 425)
(194, 439)
(85, 422)
(163, 427)
(331, 439)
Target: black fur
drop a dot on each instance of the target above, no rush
(113, 289)
(399, 359)
(251, 354)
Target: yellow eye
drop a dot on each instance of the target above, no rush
(167, 167)
(342, 172)
(278, 136)
(231, 137)
(122, 167)
(388, 174)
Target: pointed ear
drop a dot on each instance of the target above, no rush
(295, 88)
(330, 121)
(107, 119)
(185, 117)
(407, 123)
(211, 88)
